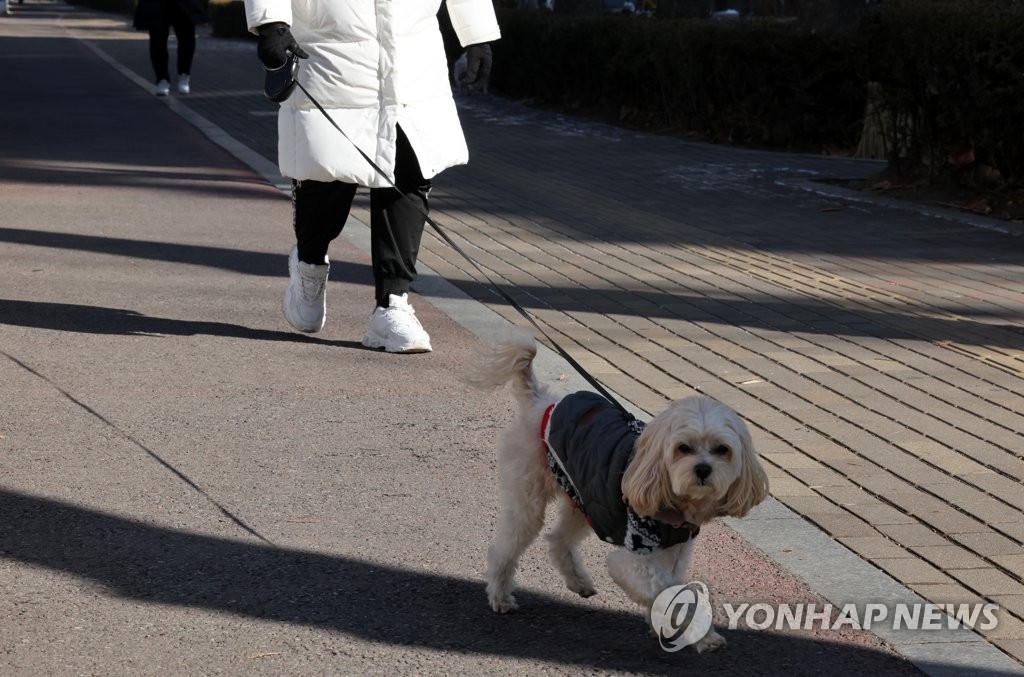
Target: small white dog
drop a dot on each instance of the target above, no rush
(646, 489)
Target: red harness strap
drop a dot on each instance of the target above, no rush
(544, 421)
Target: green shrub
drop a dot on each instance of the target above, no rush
(754, 82)
(952, 77)
(227, 19)
(117, 6)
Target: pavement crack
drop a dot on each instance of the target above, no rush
(155, 456)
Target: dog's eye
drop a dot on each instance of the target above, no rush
(720, 450)
(684, 449)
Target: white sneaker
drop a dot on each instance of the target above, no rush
(396, 329)
(163, 88)
(183, 84)
(305, 299)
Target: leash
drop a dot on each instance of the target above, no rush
(444, 236)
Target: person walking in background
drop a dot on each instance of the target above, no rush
(478, 68)
(159, 17)
(378, 67)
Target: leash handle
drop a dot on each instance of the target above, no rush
(444, 236)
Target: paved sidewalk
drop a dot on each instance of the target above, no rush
(876, 352)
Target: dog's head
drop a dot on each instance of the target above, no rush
(693, 462)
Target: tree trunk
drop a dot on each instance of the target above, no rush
(876, 135)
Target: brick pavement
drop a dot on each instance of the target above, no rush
(877, 352)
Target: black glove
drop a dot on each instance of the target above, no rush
(274, 42)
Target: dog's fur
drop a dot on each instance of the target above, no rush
(661, 481)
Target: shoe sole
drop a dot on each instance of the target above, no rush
(372, 341)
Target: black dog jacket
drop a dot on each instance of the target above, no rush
(589, 445)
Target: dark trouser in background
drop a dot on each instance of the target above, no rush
(184, 32)
(396, 224)
(478, 67)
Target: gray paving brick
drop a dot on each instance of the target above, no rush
(874, 547)
(909, 570)
(988, 544)
(988, 581)
(840, 526)
(950, 557)
(1013, 604)
(910, 535)
(1014, 564)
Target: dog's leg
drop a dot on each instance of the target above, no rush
(712, 641)
(519, 522)
(644, 577)
(563, 548)
(679, 557)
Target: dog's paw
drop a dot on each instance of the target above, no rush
(504, 605)
(583, 589)
(710, 642)
(578, 580)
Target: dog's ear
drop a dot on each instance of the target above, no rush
(751, 487)
(646, 485)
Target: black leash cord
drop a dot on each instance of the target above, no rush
(444, 236)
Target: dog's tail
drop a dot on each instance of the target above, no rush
(510, 359)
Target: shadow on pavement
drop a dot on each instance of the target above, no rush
(805, 315)
(236, 260)
(377, 603)
(136, 172)
(97, 320)
(757, 312)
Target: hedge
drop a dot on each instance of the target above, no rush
(227, 17)
(947, 77)
(951, 78)
(763, 82)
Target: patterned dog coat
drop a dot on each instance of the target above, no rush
(589, 445)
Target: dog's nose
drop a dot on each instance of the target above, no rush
(702, 470)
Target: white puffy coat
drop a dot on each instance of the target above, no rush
(373, 65)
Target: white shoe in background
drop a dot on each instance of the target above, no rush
(305, 299)
(184, 84)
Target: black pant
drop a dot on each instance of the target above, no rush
(184, 31)
(396, 222)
